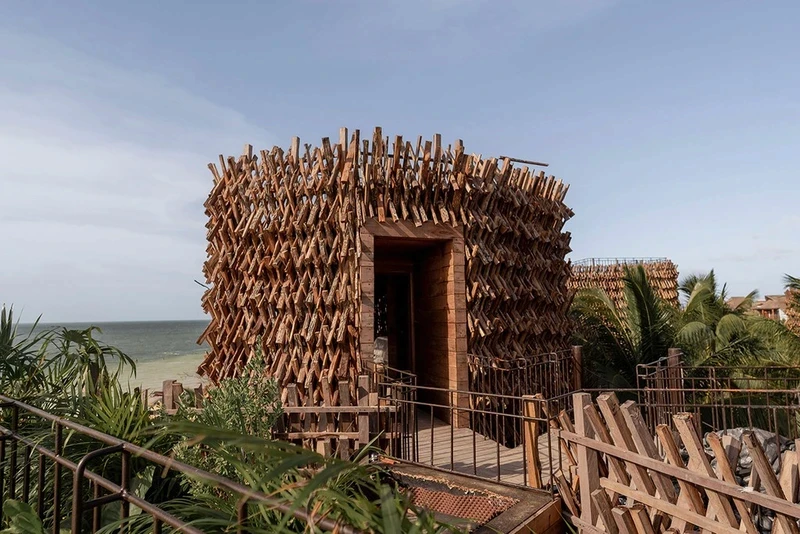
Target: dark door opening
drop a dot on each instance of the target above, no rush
(412, 330)
(393, 319)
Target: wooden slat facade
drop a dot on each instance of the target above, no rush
(285, 249)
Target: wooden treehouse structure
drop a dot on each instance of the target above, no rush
(408, 253)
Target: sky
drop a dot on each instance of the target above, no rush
(676, 124)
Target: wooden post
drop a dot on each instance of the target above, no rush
(726, 473)
(588, 471)
(531, 412)
(577, 374)
(699, 463)
(166, 394)
(760, 464)
(600, 499)
(363, 418)
(641, 519)
(326, 421)
(293, 399)
(674, 382)
(199, 394)
(625, 523)
(345, 421)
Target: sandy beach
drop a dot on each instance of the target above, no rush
(150, 374)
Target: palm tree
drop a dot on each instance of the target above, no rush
(617, 339)
(709, 329)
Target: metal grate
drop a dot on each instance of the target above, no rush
(478, 508)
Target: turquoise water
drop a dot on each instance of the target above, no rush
(144, 341)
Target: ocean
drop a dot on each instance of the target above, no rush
(161, 349)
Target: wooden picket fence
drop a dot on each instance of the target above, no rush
(626, 481)
(330, 429)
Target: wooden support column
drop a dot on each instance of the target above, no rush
(363, 418)
(588, 471)
(531, 413)
(577, 361)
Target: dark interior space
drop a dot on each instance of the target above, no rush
(410, 306)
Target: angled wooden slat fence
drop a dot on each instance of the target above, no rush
(624, 483)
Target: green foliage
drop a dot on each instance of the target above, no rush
(616, 340)
(21, 518)
(792, 284)
(52, 368)
(707, 328)
(356, 493)
(248, 404)
(71, 374)
(710, 331)
(21, 357)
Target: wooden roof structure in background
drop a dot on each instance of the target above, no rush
(283, 251)
(608, 274)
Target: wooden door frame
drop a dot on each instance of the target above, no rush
(458, 378)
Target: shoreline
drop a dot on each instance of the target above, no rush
(151, 374)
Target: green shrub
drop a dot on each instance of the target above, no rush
(247, 405)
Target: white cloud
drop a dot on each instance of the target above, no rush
(103, 179)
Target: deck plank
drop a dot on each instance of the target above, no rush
(475, 454)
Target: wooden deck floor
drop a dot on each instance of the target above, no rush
(475, 454)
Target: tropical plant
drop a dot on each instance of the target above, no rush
(21, 357)
(356, 493)
(21, 518)
(710, 330)
(245, 405)
(793, 303)
(617, 339)
(792, 284)
(71, 374)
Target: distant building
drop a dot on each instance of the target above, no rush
(771, 306)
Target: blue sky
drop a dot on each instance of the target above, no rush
(676, 124)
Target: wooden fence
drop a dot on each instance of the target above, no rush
(626, 481)
(334, 430)
(329, 429)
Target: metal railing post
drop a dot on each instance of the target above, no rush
(57, 480)
(77, 485)
(2, 471)
(12, 476)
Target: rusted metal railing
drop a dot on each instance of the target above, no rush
(722, 397)
(440, 428)
(105, 491)
(506, 380)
